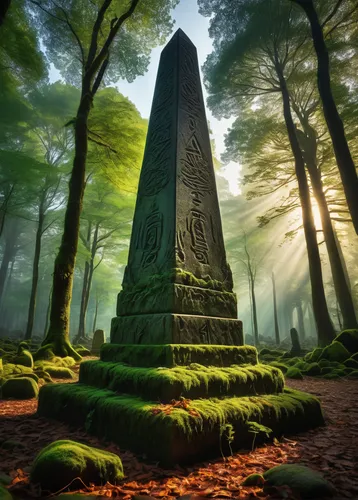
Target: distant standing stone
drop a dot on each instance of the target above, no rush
(296, 347)
(97, 341)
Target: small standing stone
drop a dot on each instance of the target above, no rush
(296, 347)
(97, 341)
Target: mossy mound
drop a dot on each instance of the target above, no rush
(302, 480)
(254, 480)
(351, 363)
(19, 388)
(170, 355)
(59, 371)
(1, 366)
(294, 373)
(192, 381)
(349, 339)
(354, 374)
(335, 352)
(314, 356)
(83, 351)
(10, 369)
(24, 358)
(279, 365)
(312, 370)
(61, 462)
(182, 433)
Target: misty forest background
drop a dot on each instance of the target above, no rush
(260, 48)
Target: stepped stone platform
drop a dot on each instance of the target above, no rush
(179, 412)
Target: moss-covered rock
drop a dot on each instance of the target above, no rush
(312, 369)
(34, 376)
(301, 365)
(355, 356)
(294, 372)
(302, 480)
(59, 371)
(279, 365)
(253, 480)
(4, 493)
(330, 375)
(314, 356)
(324, 363)
(10, 369)
(354, 374)
(335, 352)
(57, 465)
(351, 363)
(82, 351)
(293, 361)
(349, 339)
(19, 388)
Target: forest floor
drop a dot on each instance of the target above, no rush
(332, 450)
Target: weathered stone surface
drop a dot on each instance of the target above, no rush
(177, 263)
(180, 299)
(170, 328)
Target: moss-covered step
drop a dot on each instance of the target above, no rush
(192, 381)
(170, 355)
(189, 431)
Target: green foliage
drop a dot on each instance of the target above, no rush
(73, 460)
(294, 372)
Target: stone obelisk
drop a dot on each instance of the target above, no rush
(177, 287)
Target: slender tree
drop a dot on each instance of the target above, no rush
(335, 125)
(275, 316)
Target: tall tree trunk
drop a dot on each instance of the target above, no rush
(35, 271)
(335, 125)
(277, 330)
(9, 254)
(58, 334)
(91, 266)
(254, 310)
(300, 321)
(95, 315)
(47, 318)
(81, 326)
(336, 258)
(325, 330)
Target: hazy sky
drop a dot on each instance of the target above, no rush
(141, 91)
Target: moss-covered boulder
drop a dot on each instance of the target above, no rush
(355, 356)
(19, 388)
(9, 369)
(349, 339)
(354, 374)
(302, 480)
(253, 480)
(82, 351)
(351, 363)
(314, 356)
(335, 352)
(294, 372)
(61, 462)
(312, 369)
(279, 365)
(59, 371)
(24, 358)
(324, 363)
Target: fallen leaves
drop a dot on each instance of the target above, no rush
(183, 404)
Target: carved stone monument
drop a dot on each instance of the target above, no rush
(161, 387)
(177, 286)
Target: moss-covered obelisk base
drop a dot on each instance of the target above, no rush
(176, 383)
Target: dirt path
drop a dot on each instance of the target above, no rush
(333, 450)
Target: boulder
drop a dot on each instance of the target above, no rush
(335, 352)
(303, 480)
(20, 388)
(24, 356)
(295, 340)
(294, 372)
(61, 462)
(349, 339)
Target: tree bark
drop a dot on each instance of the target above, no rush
(35, 270)
(95, 315)
(335, 125)
(300, 321)
(254, 311)
(81, 326)
(325, 330)
(336, 258)
(9, 254)
(277, 330)
(47, 318)
(58, 334)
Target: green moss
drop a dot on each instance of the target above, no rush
(192, 381)
(34, 376)
(59, 371)
(170, 355)
(324, 363)
(271, 352)
(330, 376)
(82, 351)
(302, 480)
(24, 357)
(351, 363)
(294, 372)
(354, 374)
(281, 366)
(19, 388)
(355, 356)
(179, 435)
(1, 366)
(349, 339)
(10, 369)
(253, 480)
(301, 365)
(340, 372)
(72, 460)
(326, 369)
(335, 352)
(314, 356)
(313, 369)
(293, 361)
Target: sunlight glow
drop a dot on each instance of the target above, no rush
(231, 173)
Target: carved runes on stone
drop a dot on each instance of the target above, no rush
(177, 287)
